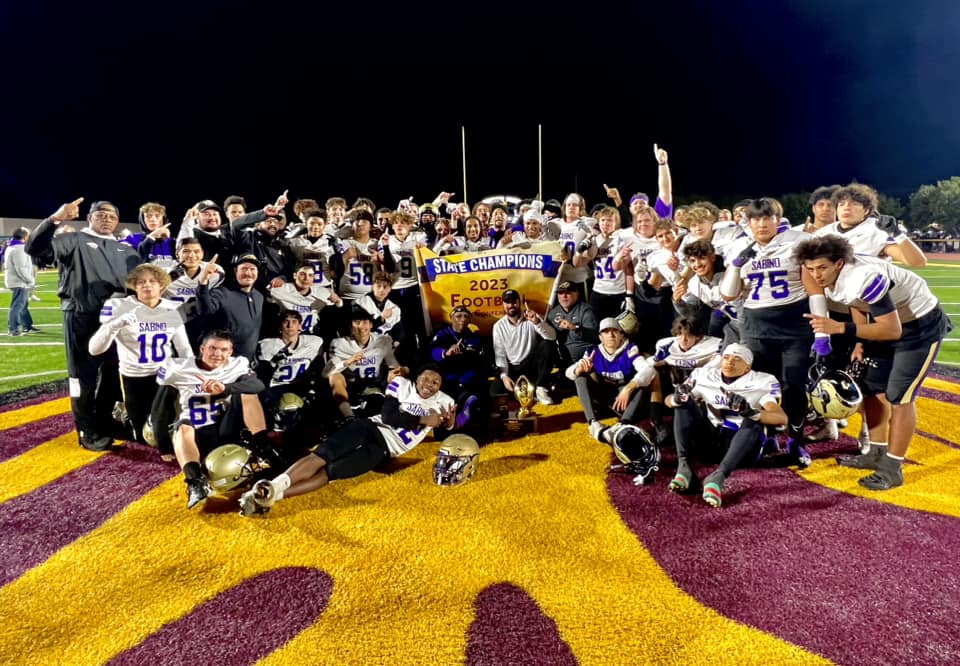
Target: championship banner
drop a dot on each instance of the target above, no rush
(478, 279)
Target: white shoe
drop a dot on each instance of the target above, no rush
(596, 430)
(609, 433)
(543, 396)
(34, 297)
(258, 499)
(827, 431)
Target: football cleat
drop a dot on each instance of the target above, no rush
(197, 492)
(258, 499)
(596, 430)
(95, 443)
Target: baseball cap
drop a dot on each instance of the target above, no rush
(610, 322)
(246, 259)
(459, 309)
(510, 296)
(741, 351)
(565, 286)
(208, 205)
(106, 206)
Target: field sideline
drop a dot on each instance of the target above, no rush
(39, 358)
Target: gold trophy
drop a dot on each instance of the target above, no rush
(525, 391)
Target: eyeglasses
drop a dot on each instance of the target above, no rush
(104, 215)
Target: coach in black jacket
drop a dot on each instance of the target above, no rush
(93, 267)
(236, 307)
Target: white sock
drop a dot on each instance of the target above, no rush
(897, 458)
(280, 484)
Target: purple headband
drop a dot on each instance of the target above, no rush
(639, 196)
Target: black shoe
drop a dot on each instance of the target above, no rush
(32, 330)
(95, 443)
(197, 492)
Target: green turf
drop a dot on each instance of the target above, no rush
(44, 363)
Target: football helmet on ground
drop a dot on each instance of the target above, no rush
(456, 460)
(229, 466)
(635, 449)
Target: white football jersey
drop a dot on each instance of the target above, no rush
(358, 272)
(184, 288)
(669, 352)
(308, 305)
(608, 280)
(642, 246)
(772, 276)
(368, 304)
(403, 253)
(708, 293)
(866, 280)
(657, 263)
(308, 347)
(196, 407)
(377, 351)
(316, 252)
(401, 440)
(759, 388)
(571, 235)
(865, 239)
(145, 344)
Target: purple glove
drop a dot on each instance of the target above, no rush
(821, 346)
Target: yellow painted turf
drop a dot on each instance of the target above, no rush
(408, 559)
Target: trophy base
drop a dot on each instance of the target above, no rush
(512, 425)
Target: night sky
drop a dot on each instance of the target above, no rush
(176, 103)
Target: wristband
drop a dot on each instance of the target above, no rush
(850, 329)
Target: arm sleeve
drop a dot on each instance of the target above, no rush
(248, 220)
(249, 383)
(391, 414)
(40, 242)
(182, 343)
(102, 339)
(209, 301)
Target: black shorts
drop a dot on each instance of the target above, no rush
(355, 449)
(901, 365)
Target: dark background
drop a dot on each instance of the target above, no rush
(179, 102)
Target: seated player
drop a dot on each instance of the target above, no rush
(385, 313)
(210, 415)
(689, 348)
(613, 375)
(410, 411)
(148, 329)
(288, 364)
(355, 364)
(309, 298)
(728, 404)
(463, 362)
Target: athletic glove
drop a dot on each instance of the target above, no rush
(745, 255)
(681, 393)
(888, 224)
(741, 406)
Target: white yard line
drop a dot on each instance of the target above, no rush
(35, 374)
(31, 344)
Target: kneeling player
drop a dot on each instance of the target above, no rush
(209, 414)
(410, 411)
(732, 403)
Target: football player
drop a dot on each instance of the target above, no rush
(148, 329)
(616, 375)
(285, 364)
(729, 403)
(898, 323)
(766, 275)
(410, 411)
(218, 397)
(356, 362)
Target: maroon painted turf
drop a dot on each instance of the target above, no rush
(242, 624)
(510, 628)
(857, 581)
(20, 439)
(29, 402)
(79, 502)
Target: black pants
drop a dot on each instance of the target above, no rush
(138, 395)
(93, 380)
(691, 426)
(537, 367)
